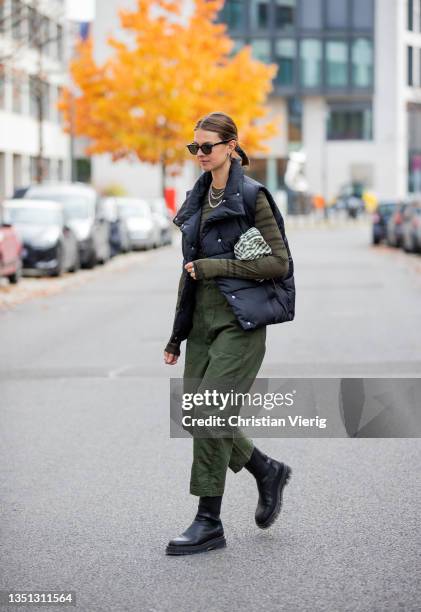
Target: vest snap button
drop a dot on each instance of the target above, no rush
(219, 239)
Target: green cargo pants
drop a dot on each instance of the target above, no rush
(217, 347)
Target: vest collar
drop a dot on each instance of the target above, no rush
(231, 205)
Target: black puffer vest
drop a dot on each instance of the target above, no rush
(254, 303)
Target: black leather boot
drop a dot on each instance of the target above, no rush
(271, 477)
(205, 533)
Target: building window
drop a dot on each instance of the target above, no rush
(311, 14)
(336, 63)
(362, 14)
(285, 52)
(410, 9)
(59, 42)
(311, 62)
(46, 106)
(17, 18)
(259, 13)
(17, 88)
(295, 122)
(238, 44)
(284, 14)
(337, 14)
(350, 122)
(410, 66)
(45, 35)
(362, 62)
(2, 86)
(33, 26)
(261, 49)
(233, 14)
(34, 96)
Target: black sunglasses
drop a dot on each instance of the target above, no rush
(206, 147)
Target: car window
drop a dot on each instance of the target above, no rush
(32, 216)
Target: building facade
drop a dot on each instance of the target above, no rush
(32, 73)
(348, 88)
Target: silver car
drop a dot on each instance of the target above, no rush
(80, 203)
(142, 226)
(163, 219)
(411, 228)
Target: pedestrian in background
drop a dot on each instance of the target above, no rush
(225, 331)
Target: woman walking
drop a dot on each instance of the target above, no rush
(223, 307)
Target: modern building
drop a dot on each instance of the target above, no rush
(32, 72)
(348, 88)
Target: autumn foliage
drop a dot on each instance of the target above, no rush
(145, 100)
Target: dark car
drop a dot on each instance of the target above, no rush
(80, 203)
(394, 225)
(119, 233)
(10, 252)
(411, 228)
(381, 217)
(49, 245)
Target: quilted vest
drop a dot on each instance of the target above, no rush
(254, 303)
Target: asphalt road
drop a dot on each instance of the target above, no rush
(92, 487)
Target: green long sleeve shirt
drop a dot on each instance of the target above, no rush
(268, 266)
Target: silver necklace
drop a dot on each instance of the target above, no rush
(214, 195)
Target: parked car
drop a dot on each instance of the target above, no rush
(82, 214)
(119, 233)
(411, 228)
(394, 225)
(163, 219)
(350, 199)
(10, 251)
(381, 216)
(49, 245)
(143, 229)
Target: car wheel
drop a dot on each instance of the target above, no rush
(17, 274)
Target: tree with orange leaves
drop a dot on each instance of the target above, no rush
(145, 99)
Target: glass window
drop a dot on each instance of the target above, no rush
(337, 13)
(311, 62)
(259, 13)
(238, 44)
(362, 14)
(34, 91)
(285, 51)
(336, 63)
(410, 9)
(362, 62)
(410, 62)
(311, 14)
(261, 49)
(17, 18)
(285, 14)
(350, 123)
(2, 85)
(17, 91)
(233, 14)
(295, 121)
(59, 42)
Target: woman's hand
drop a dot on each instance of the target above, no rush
(170, 358)
(190, 269)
